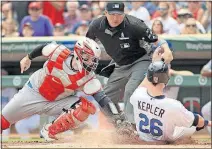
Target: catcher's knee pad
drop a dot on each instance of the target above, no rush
(73, 117)
(4, 123)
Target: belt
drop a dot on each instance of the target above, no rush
(29, 84)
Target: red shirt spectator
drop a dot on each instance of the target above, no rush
(54, 10)
(173, 10)
(155, 14)
(196, 10)
(174, 14)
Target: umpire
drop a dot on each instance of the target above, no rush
(121, 35)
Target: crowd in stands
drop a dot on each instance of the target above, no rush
(64, 18)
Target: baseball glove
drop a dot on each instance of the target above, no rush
(124, 127)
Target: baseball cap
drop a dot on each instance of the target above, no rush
(84, 7)
(115, 7)
(59, 25)
(184, 12)
(35, 5)
(83, 22)
(28, 25)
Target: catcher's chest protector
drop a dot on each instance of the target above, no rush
(60, 81)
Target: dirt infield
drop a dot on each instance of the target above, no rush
(105, 139)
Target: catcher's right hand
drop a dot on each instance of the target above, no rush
(25, 63)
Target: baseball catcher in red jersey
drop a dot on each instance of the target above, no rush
(52, 89)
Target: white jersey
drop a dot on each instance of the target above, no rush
(141, 13)
(157, 118)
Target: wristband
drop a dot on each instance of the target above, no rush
(162, 41)
(206, 123)
(29, 56)
(196, 120)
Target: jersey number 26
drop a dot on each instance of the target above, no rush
(154, 123)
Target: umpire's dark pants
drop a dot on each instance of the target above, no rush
(127, 77)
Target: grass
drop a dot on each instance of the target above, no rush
(18, 139)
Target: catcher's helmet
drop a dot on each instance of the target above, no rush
(158, 72)
(87, 52)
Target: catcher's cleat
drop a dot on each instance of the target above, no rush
(44, 133)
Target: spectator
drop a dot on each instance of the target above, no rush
(140, 12)
(85, 13)
(9, 28)
(27, 30)
(54, 10)
(7, 12)
(72, 16)
(157, 27)
(96, 11)
(183, 15)
(206, 19)
(156, 12)
(102, 4)
(172, 9)
(196, 10)
(190, 27)
(59, 30)
(82, 28)
(170, 25)
(41, 24)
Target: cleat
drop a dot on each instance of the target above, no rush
(44, 133)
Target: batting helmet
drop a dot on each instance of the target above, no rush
(158, 72)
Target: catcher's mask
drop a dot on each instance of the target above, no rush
(87, 53)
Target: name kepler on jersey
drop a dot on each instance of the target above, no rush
(151, 109)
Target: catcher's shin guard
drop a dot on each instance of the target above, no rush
(72, 117)
(4, 123)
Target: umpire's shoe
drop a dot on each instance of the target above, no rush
(44, 133)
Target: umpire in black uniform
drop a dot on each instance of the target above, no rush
(121, 36)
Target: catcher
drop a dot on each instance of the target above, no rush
(52, 89)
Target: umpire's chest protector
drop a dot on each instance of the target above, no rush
(61, 81)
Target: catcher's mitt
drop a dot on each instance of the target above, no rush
(124, 127)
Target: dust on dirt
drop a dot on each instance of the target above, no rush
(107, 139)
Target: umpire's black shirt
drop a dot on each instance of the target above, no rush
(122, 42)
